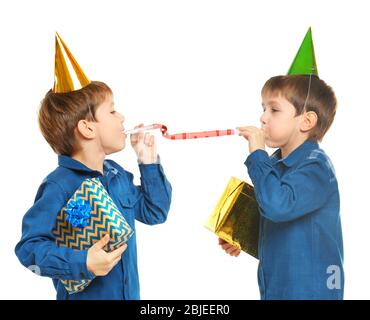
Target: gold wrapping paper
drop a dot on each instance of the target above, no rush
(235, 218)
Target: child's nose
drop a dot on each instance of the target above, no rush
(122, 117)
(263, 118)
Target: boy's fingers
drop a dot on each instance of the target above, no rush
(136, 137)
(232, 251)
(146, 138)
(247, 130)
(116, 261)
(226, 246)
(102, 242)
(235, 253)
(151, 141)
(242, 128)
(118, 252)
(229, 247)
(140, 136)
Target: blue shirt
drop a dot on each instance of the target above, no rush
(148, 203)
(300, 244)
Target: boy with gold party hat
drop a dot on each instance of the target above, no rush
(300, 248)
(80, 230)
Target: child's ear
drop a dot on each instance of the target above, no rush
(309, 121)
(86, 129)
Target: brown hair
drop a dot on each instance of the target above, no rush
(60, 113)
(306, 93)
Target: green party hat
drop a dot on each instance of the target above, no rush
(304, 62)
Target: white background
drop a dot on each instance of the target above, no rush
(192, 65)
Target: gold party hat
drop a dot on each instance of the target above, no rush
(68, 75)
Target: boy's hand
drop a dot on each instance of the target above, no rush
(229, 248)
(99, 262)
(144, 146)
(255, 137)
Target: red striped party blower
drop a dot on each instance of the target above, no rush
(185, 135)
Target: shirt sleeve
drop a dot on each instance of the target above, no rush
(37, 247)
(156, 192)
(296, 194)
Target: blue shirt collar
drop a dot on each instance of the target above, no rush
(70, 163)
(296, 154)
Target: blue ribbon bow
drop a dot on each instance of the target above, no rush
(78, 213)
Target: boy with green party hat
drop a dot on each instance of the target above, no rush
(300, 246)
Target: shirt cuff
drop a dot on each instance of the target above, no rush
(258, 155)
(158, 161)
(79, 266)
(151, 171)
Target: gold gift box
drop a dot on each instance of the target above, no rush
(235, 218)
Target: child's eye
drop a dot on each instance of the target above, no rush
(112, 112)
(274, 110)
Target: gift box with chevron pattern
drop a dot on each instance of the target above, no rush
(89, 215)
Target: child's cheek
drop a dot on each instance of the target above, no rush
(274, 133)
(270, 130)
